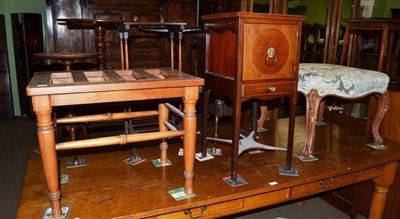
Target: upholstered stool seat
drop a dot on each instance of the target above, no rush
(318, 80)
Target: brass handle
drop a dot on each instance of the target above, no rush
(189, 212)
(271, 56)
(272, 89)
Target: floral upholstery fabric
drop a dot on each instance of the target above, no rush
(342, 81)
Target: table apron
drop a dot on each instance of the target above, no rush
(116, 96)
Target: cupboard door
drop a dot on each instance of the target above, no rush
(267, 52)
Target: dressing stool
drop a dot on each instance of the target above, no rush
(317, 80)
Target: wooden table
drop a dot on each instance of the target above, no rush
(101, 26)
(387, 29)
(310, 54)
(125, 191)
(49, 89)
(66, 58)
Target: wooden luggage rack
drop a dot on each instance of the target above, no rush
(50, 89)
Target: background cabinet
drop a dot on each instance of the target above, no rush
(6, 105)
(28, 39)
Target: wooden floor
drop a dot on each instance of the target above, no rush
(108, 188)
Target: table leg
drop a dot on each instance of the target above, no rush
(389, 53)
(263, 117)
(126, 50)
(180, 35)
(171, 38)
(382, 49)
(42, 108)
(67, 64)
(346, 39)
(254, 119)
(121, 46)
(289, 152)
(381, 189)
(237, 107)
(163, 116)
(206, 95)
(101, 46)
(320, 116)
(189, 137)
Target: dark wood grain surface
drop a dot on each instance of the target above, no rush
(107, 187)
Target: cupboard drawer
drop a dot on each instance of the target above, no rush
(266, 199)
(231, 207)
(268, 88)
(335, 182)
(210, 211)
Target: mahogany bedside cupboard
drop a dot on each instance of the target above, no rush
(252, 56)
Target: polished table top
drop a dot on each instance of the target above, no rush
(66, 58)
(131, 192)
(62, 56)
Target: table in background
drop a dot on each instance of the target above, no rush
(66, 58)
(101, 26)
(387, 28)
